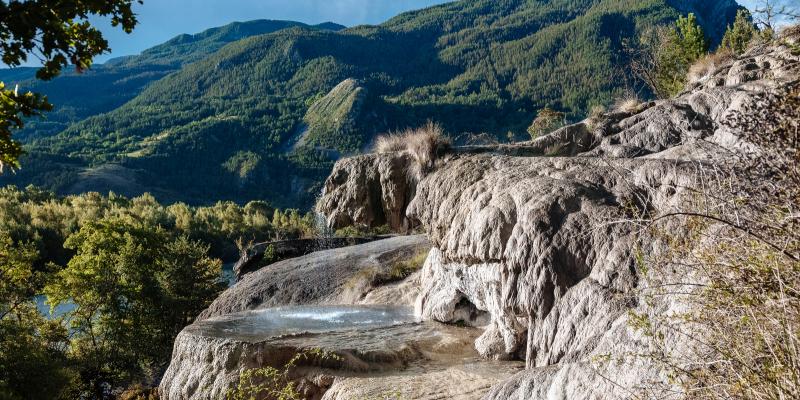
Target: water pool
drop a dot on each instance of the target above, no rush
(292, 320)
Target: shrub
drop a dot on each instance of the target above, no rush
(270, 383)
(546, 121)
(423, 143)
(741, 243)
(706, 65)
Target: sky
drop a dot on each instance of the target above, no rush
(160, 20)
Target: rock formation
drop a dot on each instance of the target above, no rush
(208, 358)
(542, 235)
(338, 276)
(536, 250)
(260, 255)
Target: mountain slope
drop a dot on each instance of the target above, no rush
(473, 65)
(107, 86)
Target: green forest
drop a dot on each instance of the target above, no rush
(201, 120)
(89, 251)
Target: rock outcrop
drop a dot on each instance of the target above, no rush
(543, 235)
(209, 355)
(371, 190)
(260, 255)
(339, 276)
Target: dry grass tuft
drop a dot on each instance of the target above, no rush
(705, 66)
(790, 32)
(423, 143)
(627, 104)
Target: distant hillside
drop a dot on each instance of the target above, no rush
(107, 86)
(248, 121)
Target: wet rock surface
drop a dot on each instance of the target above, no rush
(260, 255)
(338, 276)
(367, 341)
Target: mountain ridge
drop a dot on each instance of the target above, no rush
(475, 66)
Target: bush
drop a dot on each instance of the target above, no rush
(269, 383)
(662, 56)
(423, 143)
(546, 121)
(741, 242)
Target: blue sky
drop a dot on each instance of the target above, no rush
(160, 20)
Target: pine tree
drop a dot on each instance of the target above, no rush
(690, 39)
(739, 35)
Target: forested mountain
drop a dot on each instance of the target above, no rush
(107, 86)
(250, 120)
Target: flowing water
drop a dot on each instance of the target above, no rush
(281, 321)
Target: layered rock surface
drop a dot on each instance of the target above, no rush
(543, 235)
(338, 276)
(260, 255)
(536, 248)
(378, 355)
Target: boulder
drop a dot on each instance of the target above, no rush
(339, 276)
(253, 257)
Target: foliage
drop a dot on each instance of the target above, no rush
(32, 360)
(271, 383)
(136, 270)
(742, 244)
(402, 269)
(546, 121)
(46, 220)
(58, 34)
(739, 35)
(13, 107)
(662, 57)
(134, 288)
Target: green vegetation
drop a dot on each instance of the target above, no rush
(662, 57)
(105, 87)
(273, 383)
(134, 273)
(31, 364)
(226, 125)
(739, 35)
(59, 34)
(46, 220)
(401, 270)
(134, 288)
(546, 121)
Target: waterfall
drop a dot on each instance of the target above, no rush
(325, 233)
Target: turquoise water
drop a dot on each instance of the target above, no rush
(58, 312)
(280, 321)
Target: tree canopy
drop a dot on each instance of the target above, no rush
(56, 33)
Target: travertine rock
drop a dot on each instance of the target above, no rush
(370, 190)
(534, 243)
(338, 276)
(541, 235)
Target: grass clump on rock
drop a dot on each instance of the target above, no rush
(423, 144)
